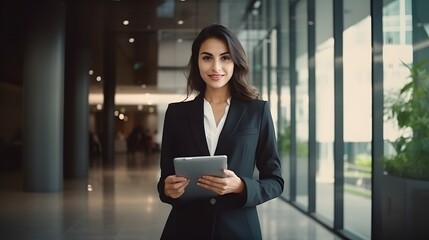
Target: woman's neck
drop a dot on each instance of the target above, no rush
(217, 96)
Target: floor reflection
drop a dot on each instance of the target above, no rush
(118, 203)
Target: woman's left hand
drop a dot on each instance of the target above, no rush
(222, 185)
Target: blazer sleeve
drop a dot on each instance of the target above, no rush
(270, 183)
(167, 150)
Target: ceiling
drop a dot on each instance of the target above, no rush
(163, 31)
(148, 34)
(160, 30)
(139, 28)
(150, 20)
(162, 16)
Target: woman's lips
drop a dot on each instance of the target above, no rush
(216, 76)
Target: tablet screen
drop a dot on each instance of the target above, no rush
(195, 167)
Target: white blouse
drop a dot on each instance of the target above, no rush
(212, 131)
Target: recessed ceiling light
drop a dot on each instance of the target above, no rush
(131, 40)
(179, 40)
(126, 22)
(180, 22)
(257, 4)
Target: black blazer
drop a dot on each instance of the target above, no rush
(248, 139)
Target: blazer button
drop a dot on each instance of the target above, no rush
(213, 201)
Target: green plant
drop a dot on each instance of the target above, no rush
(410, 109)
(364, 161)
(285, 145)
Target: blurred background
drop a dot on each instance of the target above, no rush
(87, 83)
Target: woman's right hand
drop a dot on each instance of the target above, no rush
(175, 186)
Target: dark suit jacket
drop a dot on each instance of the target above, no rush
(248, 139)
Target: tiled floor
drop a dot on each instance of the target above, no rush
(118, 203)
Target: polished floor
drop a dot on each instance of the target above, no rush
(119, 203)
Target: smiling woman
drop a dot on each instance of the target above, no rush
(225, 43)
(215, 65)
(213, 123)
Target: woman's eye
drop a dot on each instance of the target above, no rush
(206, 58)
(225, 58)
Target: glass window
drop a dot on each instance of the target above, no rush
(324, 109)
(408, 37)
(395, 55)
(284, 137)
(391, 37)
(258, 78)
(407, 5)
(301, 104)
(405, 125)
(406, 128)
(391, 9)
(272, 55)
(357, 117)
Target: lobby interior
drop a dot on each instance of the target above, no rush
(103, 68)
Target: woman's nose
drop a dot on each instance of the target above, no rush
(216, 65)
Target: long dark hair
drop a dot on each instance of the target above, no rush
(240, 86)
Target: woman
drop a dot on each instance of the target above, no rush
(226, 118)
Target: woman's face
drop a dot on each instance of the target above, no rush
(215, 64)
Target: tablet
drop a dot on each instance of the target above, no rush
(195, 167)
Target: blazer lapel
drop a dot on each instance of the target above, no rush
(196, 118)
(235, 114)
